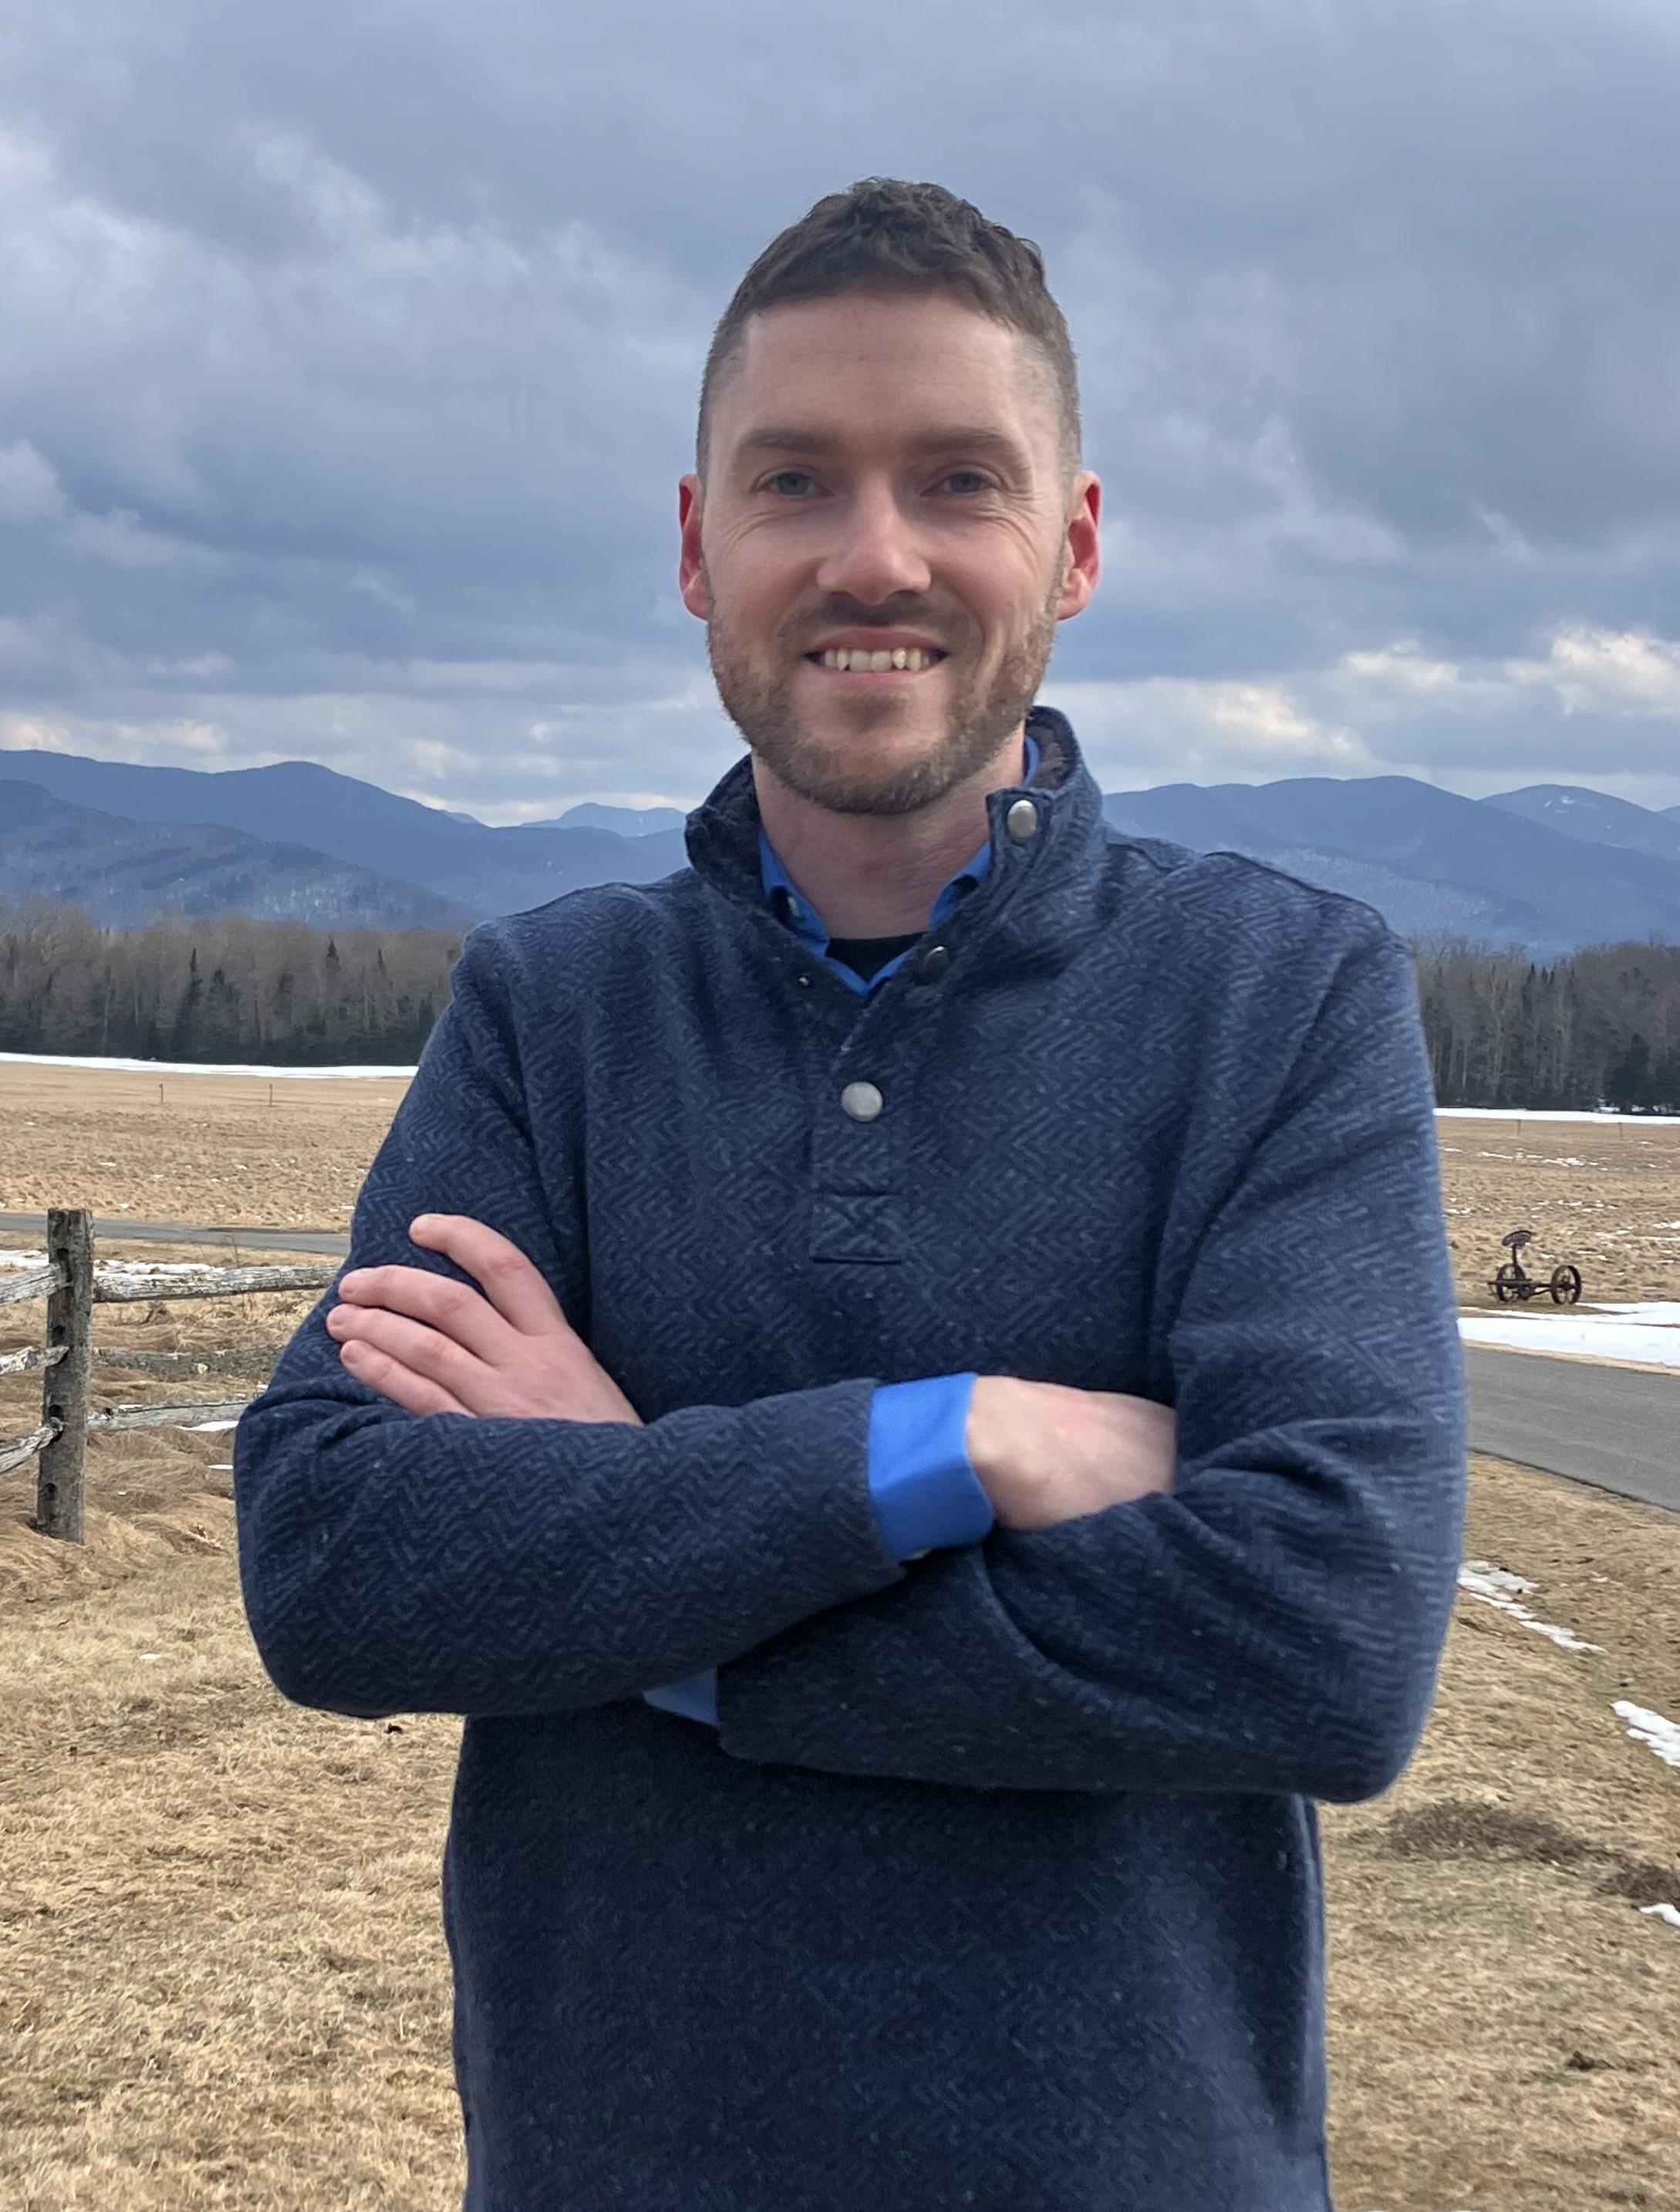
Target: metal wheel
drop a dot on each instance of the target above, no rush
(1507, 1284)
(1565, 1285)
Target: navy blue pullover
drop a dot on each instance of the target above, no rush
(924, 1488)
(997, 1885)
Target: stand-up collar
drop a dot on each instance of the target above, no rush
(1045, 845)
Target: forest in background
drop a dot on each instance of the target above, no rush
(277, 993)
(1598, 1028)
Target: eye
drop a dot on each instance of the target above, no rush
(785, 476)
(980, 483)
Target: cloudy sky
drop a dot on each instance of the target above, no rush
(351, 348)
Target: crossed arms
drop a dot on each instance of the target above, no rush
(1255, 1601)
(1042, 1453)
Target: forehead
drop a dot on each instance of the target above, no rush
(868, 369)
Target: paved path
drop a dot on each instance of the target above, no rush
(170, 1232)
(1615, 1427)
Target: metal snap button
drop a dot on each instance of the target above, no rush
(1021, 821)
(862, 1100)
(932, 964)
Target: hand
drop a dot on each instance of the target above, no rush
(437, 1346)
(1045, 1454)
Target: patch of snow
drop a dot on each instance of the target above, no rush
(202, 1067)
(201, 1427)
(1669, 1913)
(1495, 1578)
(1495, 1587)
(1648, 1331)
(132, 1271)
(1522, 1114)
(1663, 1736)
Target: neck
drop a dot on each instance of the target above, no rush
(878, 875)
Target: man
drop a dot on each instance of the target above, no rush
(904, 1379)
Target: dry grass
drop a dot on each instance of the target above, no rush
(1604, 1194)
(224, 1985)
(211, 1149)
(224, 1980)
(1505, 2023)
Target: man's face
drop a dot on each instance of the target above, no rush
(883, 472)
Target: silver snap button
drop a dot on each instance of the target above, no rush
(1021, 821)
(862, 1100)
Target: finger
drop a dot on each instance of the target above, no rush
(425, 1352)
(439, 1302)
(415, 1394)
(513, 1285)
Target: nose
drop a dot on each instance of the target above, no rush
(873, 555)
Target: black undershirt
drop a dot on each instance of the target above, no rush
(867, 955)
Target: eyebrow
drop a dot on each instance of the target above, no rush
(969, 437)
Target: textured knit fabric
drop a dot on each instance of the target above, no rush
(999, 1886)
(921, 1483)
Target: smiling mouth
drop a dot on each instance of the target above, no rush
(900, 660)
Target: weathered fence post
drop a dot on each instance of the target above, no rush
(61, 1476)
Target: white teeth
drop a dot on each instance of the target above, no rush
(910, 658)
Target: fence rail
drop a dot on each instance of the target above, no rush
(72, 1287)
(32, 1283)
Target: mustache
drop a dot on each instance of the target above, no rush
(855, 618)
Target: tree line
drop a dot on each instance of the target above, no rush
(1599, 1027)
(277, 993)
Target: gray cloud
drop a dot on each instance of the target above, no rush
(351, 361)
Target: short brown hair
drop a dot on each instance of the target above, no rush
(883, 235)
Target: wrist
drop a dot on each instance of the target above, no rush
(987, 1437)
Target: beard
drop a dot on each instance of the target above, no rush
(981, 714)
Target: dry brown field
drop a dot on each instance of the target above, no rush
(223, 1983)
(246, 1152)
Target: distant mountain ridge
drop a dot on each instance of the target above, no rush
(468, 865)
(1433, 863)
(622, 821)
(1548, 868)
(124, 872)
(1596, 817)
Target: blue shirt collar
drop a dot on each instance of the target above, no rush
(801, 915)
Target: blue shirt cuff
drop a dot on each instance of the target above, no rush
(924, 1493)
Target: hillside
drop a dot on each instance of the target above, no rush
(124, 872)
(1545, 869)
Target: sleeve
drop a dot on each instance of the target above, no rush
(1275, 1623)
(924, 1493)
(393, 1562)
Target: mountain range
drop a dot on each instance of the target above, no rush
(1548, 868)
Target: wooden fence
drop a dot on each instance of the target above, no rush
(72, 1287)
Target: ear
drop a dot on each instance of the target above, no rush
(1082, 558)
(690, 566)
